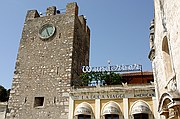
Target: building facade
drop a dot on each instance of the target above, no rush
(138, 77)
(165, 55)
(52, 50)
(132, 100)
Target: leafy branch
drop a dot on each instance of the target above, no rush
(109, 78)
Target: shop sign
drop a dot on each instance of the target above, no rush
(113, 95)
(115, 68)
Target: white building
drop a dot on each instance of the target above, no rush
(165, 55)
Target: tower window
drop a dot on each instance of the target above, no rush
(39, 101)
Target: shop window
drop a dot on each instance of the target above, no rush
(141, 116)
(111, 116)
(84, 116)
(38, 101)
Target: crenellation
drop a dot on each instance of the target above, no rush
(51, 11)
(72, 9)
(31, 14)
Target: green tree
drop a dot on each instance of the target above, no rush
(109, 78)
(85, 79)
(112, 78)
(88, 77)
(4, 94)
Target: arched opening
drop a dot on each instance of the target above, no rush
(166, 58)
(112, 111)
(169, 105)
(83, 111)
(140, 110)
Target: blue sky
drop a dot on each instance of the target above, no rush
(119, 31)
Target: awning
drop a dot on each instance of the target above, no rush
(111, 108)
(140, 107)
(83, 108)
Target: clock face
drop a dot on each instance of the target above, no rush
(46, 31)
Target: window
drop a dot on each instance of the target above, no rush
(141, 116)
(39, 101)
(84, 116)
(111, 116)
(166, 58)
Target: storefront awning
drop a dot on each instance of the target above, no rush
(83, 108)
(140, 107)
(111, 108)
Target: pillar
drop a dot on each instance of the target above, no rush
(97, 109)
(125, 108)
(71, 108)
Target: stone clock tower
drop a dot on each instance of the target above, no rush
(52, 50)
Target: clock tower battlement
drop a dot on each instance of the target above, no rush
(52, 50)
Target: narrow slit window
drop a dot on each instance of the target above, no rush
(39, 101)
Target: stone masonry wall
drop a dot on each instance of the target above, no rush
(80, 54)
(167, 24)
(46, 68)
(165, 55)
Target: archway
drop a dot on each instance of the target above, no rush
(84, 111)
(111, 110)
(169, 106)
(140, 110)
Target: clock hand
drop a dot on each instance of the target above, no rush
(47, 32)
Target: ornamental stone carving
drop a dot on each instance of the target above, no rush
(172, 85)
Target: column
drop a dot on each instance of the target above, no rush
(155, 108)
(97, 109)
(71, 108)
(125, 108)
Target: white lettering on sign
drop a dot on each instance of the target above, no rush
(116, 68)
